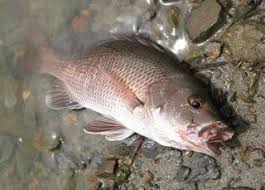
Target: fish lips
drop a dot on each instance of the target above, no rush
(214, 133)
(209, 135)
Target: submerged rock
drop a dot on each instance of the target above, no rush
(205, 20)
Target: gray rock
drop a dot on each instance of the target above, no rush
(182, 174)
(202, 167)
(151, 149)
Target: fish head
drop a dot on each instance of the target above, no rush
(190, 121)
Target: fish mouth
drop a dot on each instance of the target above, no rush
(213, 134)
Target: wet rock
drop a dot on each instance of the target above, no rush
(47, 139)
(151, 149)
(213, 50)
(148, 177)
(122, 174)
(205, 20)
(202, 167)
(182, 174)
(107, 168)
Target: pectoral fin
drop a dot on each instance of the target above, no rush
(58, 98)
(112, 130)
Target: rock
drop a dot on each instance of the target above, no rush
(148, 177)
(202, 167)
(205, 20)
(213, 50)
(151, 149)
(122, 174)
(182, 174)
(107, 168)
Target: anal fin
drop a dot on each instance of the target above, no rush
(58, 97)
(112, 130)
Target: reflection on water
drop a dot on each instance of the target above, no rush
(46, 149)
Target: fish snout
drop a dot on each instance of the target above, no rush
(216, 132)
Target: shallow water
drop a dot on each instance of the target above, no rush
(45, 149)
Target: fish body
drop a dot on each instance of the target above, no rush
(138, 89)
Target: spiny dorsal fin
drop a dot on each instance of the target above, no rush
(140, 38)
(112, 130)
(58, 97)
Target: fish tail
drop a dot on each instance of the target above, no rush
(38, 58)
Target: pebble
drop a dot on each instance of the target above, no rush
(213, 50)
(182, 174)
(148, 176)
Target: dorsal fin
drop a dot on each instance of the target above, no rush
(58, 97)
(140, 38)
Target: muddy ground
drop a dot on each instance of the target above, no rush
(222, 41)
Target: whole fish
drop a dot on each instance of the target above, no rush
(138, 88)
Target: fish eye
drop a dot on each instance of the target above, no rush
(195, 101)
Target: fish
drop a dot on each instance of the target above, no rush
(138, 87)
